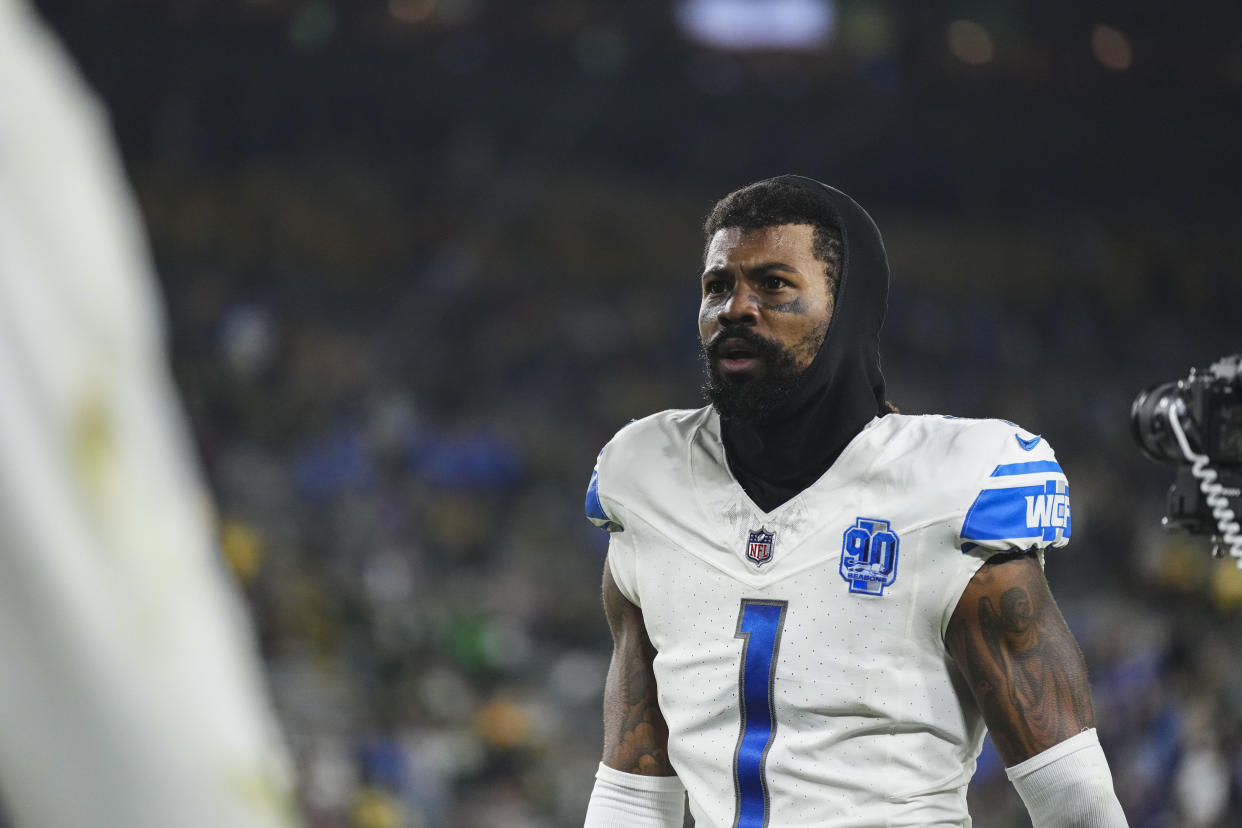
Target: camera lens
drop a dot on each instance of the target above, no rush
(1149, 421)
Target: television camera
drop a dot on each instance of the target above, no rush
(1196, 423)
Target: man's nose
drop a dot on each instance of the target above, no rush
(742, 307)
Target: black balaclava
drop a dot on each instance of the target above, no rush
(841, 390)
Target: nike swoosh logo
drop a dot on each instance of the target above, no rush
(1027, 444)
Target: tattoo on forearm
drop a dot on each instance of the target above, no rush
(637, 737)
(635, 733)
(1026, 671)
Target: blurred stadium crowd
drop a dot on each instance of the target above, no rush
(423, 257)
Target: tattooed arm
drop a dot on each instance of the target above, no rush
(635, 786)
(1018, 655)
(635, 734)
(1029, 679)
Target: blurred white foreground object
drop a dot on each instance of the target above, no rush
(130, 694)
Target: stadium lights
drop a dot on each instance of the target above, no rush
(411, 11)
(1111, 48)
(969, 42)
(758, 25)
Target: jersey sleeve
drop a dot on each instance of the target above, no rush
(595, 510)
(605, 513)
(1021, 501)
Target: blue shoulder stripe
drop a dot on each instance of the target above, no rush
(595, 510)
(1027, 468)
(1020, 512)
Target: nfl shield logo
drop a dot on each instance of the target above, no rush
(759, 547)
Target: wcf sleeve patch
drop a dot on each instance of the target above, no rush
(1020, 517)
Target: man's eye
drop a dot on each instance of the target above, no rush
(715, 286)
(773, 283)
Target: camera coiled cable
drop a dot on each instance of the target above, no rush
(1226, 521)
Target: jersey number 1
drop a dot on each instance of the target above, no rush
(759, 625)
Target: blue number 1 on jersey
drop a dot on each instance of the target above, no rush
(759, 625)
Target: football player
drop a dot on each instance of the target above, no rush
(819, 604)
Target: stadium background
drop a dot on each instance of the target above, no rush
(423, 257)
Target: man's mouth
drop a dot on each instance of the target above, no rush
(735, 356)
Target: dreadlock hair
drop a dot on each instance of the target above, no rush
(772, 203)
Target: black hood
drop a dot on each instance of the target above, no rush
(841, 390)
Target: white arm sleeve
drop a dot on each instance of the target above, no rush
(628, 800)
(1069, 786)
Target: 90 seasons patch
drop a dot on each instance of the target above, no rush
(869, 556)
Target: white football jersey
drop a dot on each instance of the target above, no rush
(801, 662)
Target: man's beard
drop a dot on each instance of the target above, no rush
(750, 399)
